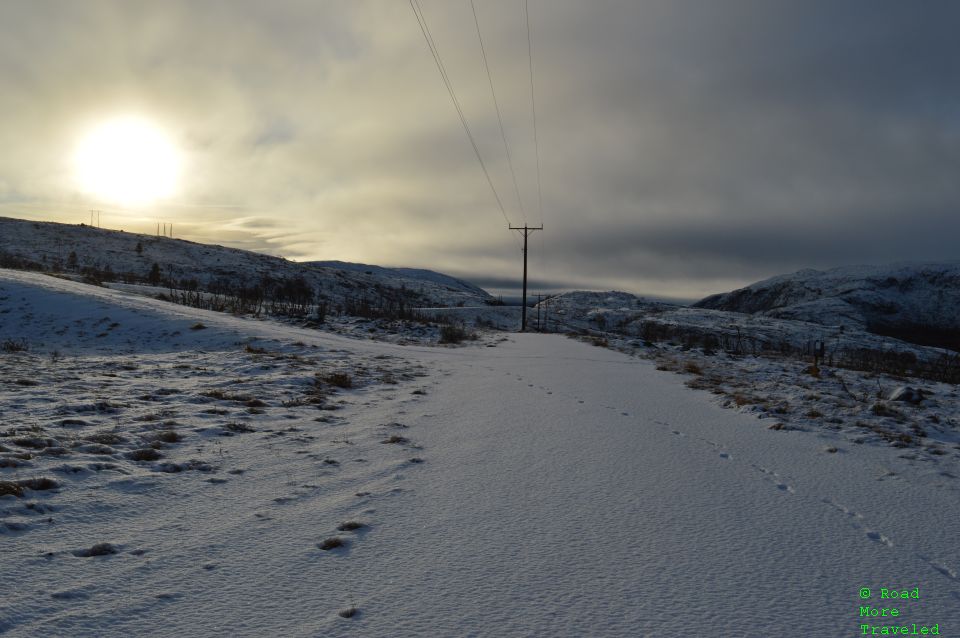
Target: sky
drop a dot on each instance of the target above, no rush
(686, 147)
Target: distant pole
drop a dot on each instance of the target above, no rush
(525, 231)
(540, 297)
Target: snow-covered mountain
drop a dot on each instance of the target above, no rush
(918, 302)
(103, 254)
(411, 277)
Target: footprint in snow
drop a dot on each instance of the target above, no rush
(724, 455)
(877, 537)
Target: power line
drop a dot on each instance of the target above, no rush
(533, 110)
(421, 19)
(496, 106)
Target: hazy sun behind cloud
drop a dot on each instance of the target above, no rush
(127, 160)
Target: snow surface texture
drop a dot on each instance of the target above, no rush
(42, 245)
(901, 297)
(542, 487)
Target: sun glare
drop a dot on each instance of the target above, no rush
(128, 161)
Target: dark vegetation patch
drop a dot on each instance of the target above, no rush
(105, 438)
(168, 436)
(336, 379)
(15, 488)
(238, 427)
(333, 542)
(100, 549)
(144, 454)
(14, 345)
(35, 442)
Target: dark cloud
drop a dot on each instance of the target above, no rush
(687, 146)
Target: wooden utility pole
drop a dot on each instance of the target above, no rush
(525, 231)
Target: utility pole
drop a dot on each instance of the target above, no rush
(546, 314)
(540, 297)
(525, 231)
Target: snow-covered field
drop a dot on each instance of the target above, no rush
(201, 465)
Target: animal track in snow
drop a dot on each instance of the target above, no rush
(856, 517)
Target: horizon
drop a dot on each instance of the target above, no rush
(687, 149)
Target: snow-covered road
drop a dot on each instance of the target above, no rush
(573, 491)
(543, 487)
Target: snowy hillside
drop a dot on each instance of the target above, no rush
(625, 314)
(919, 302)
(166, 470)
(108, 255)
(410, 277)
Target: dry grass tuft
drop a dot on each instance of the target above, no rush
(9, 488)
(692, 367)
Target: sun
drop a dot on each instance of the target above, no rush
(127, 160)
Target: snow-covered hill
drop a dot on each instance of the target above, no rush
(626, 314)
(411, 277)
(918, 302)
(104, 254)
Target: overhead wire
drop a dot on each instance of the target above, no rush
(533, 110)
(496, 106)
(435, 51)
(536, 142)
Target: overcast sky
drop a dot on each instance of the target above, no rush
(687, 147)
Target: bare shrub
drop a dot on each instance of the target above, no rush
(14, 345)
(452, 334)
